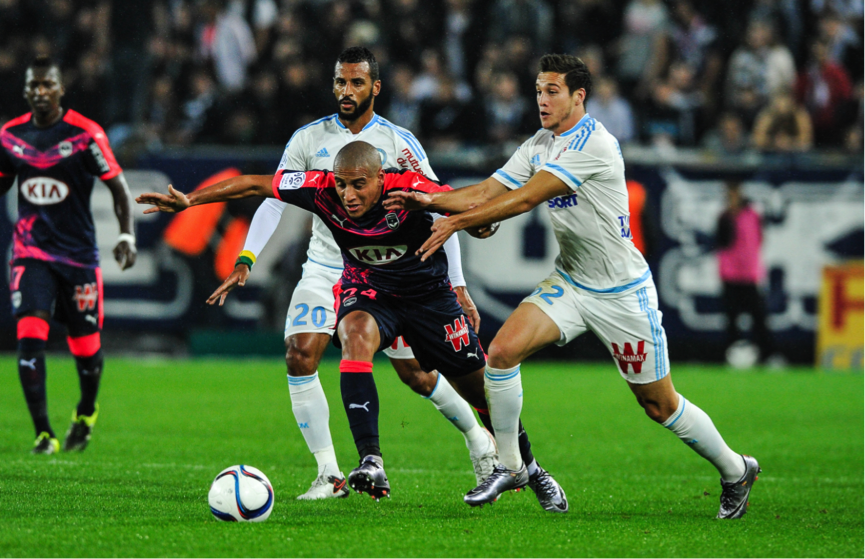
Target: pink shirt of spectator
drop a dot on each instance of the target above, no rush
(740, 262)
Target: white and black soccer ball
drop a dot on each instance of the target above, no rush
(241, 494)
(742, 354)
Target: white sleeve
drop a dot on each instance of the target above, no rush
(518, 170)
(263, 225)
(268, 214)
(455, 262)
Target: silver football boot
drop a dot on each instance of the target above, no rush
(501, 480)
(370, 478)
(550, 494)
(734, 495)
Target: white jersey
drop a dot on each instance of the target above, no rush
(591, 223)
(315, 146)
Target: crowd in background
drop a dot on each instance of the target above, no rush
(772, 75)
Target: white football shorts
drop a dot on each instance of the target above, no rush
(311, 308)
(629, 325)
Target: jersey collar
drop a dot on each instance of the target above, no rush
(577, 126)
(372, 121)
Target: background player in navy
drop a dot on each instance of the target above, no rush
(55, 155)
(386, 290)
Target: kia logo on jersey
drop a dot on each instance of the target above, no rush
(44, 191)
(378, 256)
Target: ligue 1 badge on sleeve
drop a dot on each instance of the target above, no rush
(392, 220)
(291, 181)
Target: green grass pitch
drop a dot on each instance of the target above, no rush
(167, 427)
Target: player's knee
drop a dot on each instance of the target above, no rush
(301, 361)
(32, 335)
(84, 346)
(653, 409)
(502, 355)
(418, 380)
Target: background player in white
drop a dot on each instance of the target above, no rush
(311, 319)
(601, 282)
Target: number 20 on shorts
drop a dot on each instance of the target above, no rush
(319, 316)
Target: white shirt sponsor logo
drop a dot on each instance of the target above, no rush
(99, 157)
(292, 181)
(44, 191)
(65, 148)
(378, 255)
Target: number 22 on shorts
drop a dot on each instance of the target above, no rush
(555, 292)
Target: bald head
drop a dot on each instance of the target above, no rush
(358, 155)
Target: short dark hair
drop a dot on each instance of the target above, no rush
(356, 55)
(43, 62)
(358, 154)
(577, 75)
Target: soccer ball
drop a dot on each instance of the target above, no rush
(742, 354)
(241, 494)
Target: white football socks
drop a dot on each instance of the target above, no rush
(459, 413)
(309, 405)
(695, 428)
(504, 389)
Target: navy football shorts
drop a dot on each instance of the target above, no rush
(71, 294)
(435, 327)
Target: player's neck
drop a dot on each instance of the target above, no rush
(48, 119)
(355, 126)
(576, 116)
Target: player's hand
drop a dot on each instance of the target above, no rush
(442, 229)
(469, 307)
(483, 231)
(401, 200)
(237, 279)
(173, 202)
(125, 254)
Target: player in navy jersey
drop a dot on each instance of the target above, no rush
(386, 290)
(55, 153)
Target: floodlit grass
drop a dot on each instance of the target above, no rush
(166, 428)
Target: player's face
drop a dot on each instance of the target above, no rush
(556, 102)
(354, 89)
(43, 90)
(359, 188)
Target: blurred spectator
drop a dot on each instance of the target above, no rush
(645, 22)
(783, 126)
(694, 43)
(203, 97)
(824, 87)
(163, 110)
(529, 18)
(445, 120)
(429, 82)
(267, 109)
(787, 17)
(131, 24)
(507, 114)
(853, 114)
(403, 110)
(673, 111)
(586, 22)
(86, 86)
(845, 46)
(414, 29)
(740, 264)
(729, 137)
(299, 94)
(757, 69)
(611, 110)
(226, 40)
(463, 36)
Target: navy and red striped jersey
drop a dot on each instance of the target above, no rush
(378, 248)
(56, 167)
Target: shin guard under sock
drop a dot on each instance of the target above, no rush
(89, 375)
(360, 398)
(32, 338)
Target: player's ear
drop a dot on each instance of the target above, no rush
(376, 88)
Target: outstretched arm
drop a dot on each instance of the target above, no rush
(175, 201)
(125, 252)
(451, 201)
(540, 188)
